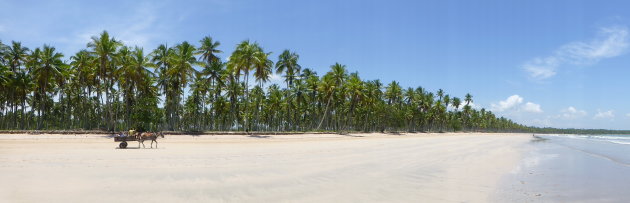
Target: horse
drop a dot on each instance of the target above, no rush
(149, 136)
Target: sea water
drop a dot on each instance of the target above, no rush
(571, 168)
(615, 148)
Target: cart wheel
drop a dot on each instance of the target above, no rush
(123, 145)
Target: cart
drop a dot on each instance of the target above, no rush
(123, 140)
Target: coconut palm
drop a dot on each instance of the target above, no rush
(17, 55)
(248, 56)
(213, 73)
(288, 64)
(49, 70)
(105, 48)
(178, 75)
(331, 83)
(208, 50)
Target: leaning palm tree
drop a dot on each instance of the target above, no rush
(355, 92)
(331, 83)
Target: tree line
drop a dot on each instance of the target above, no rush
(110, 86)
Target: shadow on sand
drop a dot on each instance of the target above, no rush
(538, 139)
(259, 136)
(136, 148)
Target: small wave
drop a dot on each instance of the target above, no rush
(618, 142)
(616, 139)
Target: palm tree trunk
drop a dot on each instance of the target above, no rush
(325, 112)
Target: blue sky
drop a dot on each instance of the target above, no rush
(542, 63)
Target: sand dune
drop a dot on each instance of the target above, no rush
(289, 168)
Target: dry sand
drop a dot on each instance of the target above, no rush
(453, 167)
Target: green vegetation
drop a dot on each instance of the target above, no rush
(110, 86)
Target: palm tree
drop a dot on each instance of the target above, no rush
(288, 64)
(355, 93)
(161, 57)
(23, 85)
(84, 65)
(262, 69)
(181, 71)
(467, 110)
(456, 103)
(104, 48)
(17, 55)
(49, 70)
(134, 67)
(331, 83)
(247, 56)
(468, 99)
(208, 50)
(213, 73)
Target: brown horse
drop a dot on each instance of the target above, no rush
(149, 136)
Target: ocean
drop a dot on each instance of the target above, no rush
(571, 168)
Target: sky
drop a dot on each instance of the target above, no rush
(542, 63)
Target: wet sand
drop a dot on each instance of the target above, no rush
(451, 167)
(566, 168)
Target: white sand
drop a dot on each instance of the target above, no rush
(290, 168)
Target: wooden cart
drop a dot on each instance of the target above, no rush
(123, 140)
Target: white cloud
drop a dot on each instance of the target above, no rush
(276, 78)
(515, 103)
(472, 105)
(628, 114)
(531, 107)
(541, 68)
(461, 107)
(604, 114)
(572, 113)
(610, 42)
(509, 103)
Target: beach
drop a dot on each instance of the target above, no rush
(423, 167)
